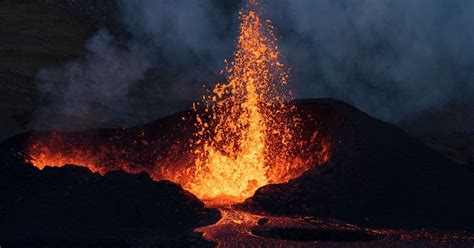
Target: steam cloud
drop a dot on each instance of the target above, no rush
(392, 58)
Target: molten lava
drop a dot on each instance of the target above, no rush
(246, 142)
(56, 152)
(247, 132)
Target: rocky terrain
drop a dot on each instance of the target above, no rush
(71, 205)
(378, 176)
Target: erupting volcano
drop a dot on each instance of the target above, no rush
(247, 131)
(247, 164)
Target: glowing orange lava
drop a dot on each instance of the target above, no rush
(247, 132)
(246, 142)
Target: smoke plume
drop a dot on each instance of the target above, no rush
(395, 59)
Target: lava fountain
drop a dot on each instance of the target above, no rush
(244, 136)
(244, 133)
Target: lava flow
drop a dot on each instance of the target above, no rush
(247, 132)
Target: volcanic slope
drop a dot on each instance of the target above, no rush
(377, 176)
(57, 207)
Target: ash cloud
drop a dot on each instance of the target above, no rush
(396, 59)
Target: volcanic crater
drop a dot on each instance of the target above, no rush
(376, 176)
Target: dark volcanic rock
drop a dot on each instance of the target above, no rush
(58, 206)
(315, 234)
(377, 176)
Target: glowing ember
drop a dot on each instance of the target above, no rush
(59, 149)
(248, 131)
(44, 154)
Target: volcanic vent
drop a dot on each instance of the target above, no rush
(244, 134)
